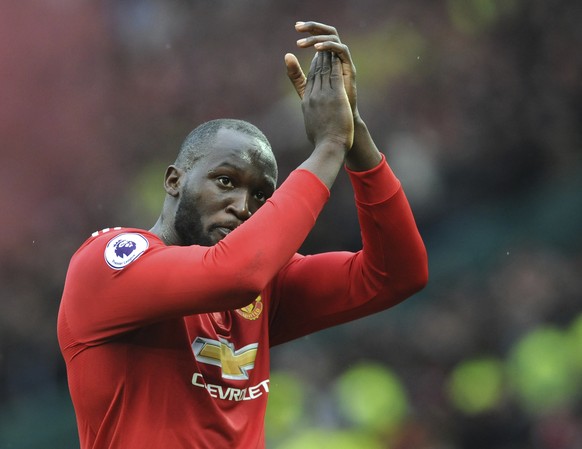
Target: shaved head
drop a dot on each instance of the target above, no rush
(197, 143)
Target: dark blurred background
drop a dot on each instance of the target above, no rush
(477, 105)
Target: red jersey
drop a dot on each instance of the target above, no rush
(168, 346)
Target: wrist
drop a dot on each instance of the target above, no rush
(334, 143)
(332, 147)
(360, 126)
(364, 154)
(325, 161)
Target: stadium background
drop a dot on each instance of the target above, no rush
(478, 106)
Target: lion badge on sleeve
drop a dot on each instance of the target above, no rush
(123, 249)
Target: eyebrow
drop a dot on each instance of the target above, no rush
(269, 180)
(224, 165)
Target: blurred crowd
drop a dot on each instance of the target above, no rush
(477, 105)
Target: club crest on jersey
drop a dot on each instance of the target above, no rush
(253, 310)
(124, 249)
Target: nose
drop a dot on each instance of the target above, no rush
(239, 205)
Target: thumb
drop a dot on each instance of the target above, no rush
(295, 73)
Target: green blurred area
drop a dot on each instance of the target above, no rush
(543, 370)
(474, 16)
(45, 419)
(476, 386)
(372, 398)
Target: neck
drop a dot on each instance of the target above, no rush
(161, 229)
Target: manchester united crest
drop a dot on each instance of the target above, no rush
(253, 310)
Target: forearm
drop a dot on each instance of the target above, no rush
(394, 253)
(323, 290)
(325, 162)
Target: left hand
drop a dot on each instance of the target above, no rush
(323, 38)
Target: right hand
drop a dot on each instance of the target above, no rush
(326, 107)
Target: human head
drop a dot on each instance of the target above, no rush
(224, 172)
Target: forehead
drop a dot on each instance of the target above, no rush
(241, 151)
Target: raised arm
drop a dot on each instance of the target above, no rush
(323, 290)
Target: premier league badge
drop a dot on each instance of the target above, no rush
(124, 249)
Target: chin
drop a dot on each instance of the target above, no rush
(214, 239)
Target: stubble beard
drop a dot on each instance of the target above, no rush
(188, 224)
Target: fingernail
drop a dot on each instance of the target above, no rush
(299, 23)
(301, 41)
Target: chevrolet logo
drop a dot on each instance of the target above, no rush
(234, 363)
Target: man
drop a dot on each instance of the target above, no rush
(166, 333)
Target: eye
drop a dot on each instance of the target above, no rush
(260, 195)
(225, 181)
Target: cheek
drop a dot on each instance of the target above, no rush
(208, 203)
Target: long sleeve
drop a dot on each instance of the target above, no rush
(323, 290)
(100, 301)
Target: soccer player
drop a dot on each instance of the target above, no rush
(166, 333)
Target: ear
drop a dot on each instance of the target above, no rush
(173, 180)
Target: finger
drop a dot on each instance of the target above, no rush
(315, 28)
(339, 49)
(343, 53)
(326, 63)
(311, 75)
(312, 40)
(295, 74)
(318, 70)
(336, 67)
(336, 79)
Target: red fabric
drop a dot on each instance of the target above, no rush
(162, 352)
